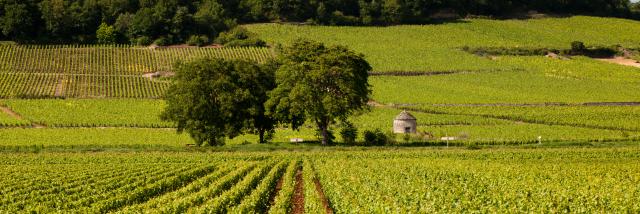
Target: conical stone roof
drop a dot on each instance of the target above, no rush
(404, 115)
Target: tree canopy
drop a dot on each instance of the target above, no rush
(214, 98)
(320, 84)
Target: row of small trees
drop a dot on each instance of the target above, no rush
(212, 99)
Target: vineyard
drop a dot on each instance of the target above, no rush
(47, 71)
(6, 120)
(112, 123)
(544, 80)
(140, 113)
(614, 117)
(80, 127)
(421, 180)
(437, 47)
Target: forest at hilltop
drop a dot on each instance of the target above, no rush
(175, 21)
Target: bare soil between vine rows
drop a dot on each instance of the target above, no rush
(298, 194)
(323, 198)
(276, 191)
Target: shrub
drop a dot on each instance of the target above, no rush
(162, 41)
(142, 41)
(407, 138)
(195, 40)
(578, 48)
(239, 37)
(375, 138)
(349, 133)
(247, 43)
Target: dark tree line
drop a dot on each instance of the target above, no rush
(175, 21)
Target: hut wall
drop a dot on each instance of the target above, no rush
(400, 126)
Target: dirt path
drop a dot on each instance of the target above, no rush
(375, 104)
(298, 194)
(276, 191)
(60, 87)
(10, 112)
(325, 201)
(621, 61)
(15, 115)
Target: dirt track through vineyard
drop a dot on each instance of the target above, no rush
(276, 191)
(298, 194)
(10, 112)
(15, 115)
(60, 87)
(622, 61)
(323, 197)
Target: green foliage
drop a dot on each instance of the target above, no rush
(142, 41)
(239, 37)
(106, 34)
(198, 40)
(210, 18)
(578, 48)
(162, 41)
(214, 98)
(375, 138)
(17, 22)
(72, 21)
(319, 83)
(349, 133)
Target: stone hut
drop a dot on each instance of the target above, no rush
(405, 123)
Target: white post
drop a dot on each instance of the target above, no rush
(539, 139)
(447, 139)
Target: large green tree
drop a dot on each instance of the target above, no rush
(17, 22)
(213, 98)
(323, 84)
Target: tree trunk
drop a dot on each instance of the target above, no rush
(261, 136)
(325, 135)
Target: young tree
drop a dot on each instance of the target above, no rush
(319, 83)
(106, 34)
(214, 98)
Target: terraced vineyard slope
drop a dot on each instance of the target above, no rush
(98, 71)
